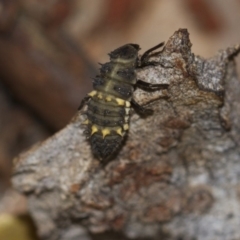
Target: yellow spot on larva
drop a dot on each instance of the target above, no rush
(127, 110)
(125, 127)
(92, 93)
(120, 101)
(100, 96)
(94, 129)
(86, 122)
(105, 132)
(108, 99)
(119, 131)
(128, 104)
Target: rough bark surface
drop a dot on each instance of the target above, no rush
(177, 175)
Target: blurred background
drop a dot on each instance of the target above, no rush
(49, 50)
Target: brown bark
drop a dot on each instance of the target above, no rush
(176, 176)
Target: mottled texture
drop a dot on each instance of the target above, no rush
(177, 175)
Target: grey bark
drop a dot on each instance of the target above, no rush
(177, 175)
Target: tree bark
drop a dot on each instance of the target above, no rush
(177, 175)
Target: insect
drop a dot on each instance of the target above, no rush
(108, 105)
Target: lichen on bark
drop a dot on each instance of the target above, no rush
(177, 174)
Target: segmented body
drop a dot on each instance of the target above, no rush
(109, 105)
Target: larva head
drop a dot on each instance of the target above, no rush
(126, 54)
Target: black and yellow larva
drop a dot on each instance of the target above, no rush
(108, 105)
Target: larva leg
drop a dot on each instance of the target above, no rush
(85, 99)
(140, 109)
(144, 59)
(150, 86)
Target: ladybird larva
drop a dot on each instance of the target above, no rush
(109, 103)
